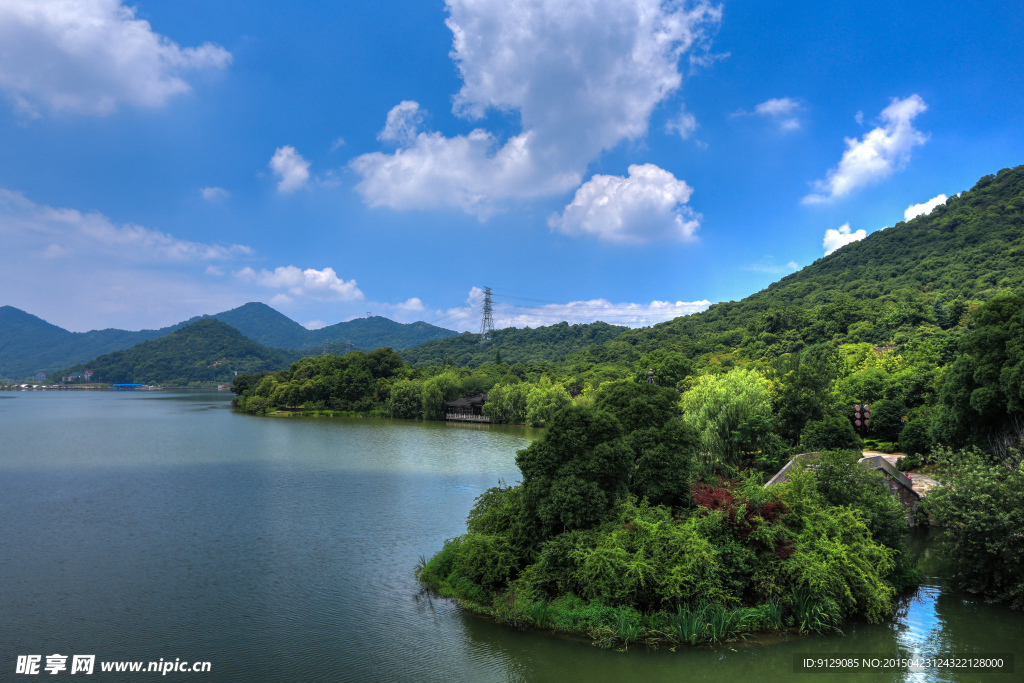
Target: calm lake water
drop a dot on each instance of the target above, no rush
(140, 526)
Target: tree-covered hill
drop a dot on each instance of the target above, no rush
(205, 352)
(264, 325)
(29, 344)
(923, 274)
(543, 344)
(375, 332)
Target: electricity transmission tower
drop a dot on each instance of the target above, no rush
(487, 321)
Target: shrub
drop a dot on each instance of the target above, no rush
(833, 432)
(909, 463)
(914, 439)
(981, 506)
(842, 568)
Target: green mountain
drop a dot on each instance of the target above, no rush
(29, 344)
(263, 324)
(378, 332)
(897, 283)
(543, 344)
(207, 351)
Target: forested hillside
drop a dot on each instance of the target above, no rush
(29, 344)
(266, 326)
(204, 352)
(543, 344)
(912, 338)
(925, 273)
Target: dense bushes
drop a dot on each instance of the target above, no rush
(981, 506)
(616, 530)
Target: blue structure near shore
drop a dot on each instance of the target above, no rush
(125, 387)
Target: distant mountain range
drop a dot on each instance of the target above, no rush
(205, 352)
(29, 344)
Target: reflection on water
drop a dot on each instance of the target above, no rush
(165, 525)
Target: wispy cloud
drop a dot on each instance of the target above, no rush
(781, 111)
(124, 275)
(71, 232)
(214, 194)
(508, 313)
(768, 265)
(683, 124)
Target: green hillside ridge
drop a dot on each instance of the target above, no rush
(205, 352)
(551, 343)
(376, 332)
(264, 325)
(920, 276)
(29, 344)
(925, 272)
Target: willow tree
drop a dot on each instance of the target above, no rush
(717, 405)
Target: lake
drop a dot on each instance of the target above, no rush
(147, 525)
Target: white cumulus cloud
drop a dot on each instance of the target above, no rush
(296, 282)
(90, 56)
(879, 153)
(915, 210)
(580, 80)
(840, 237)
(410, 305)
(649, 204)
(289, 166)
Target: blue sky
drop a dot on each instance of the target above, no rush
(622, 160)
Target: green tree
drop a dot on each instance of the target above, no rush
(544, 401)
(445, 386)
(405, 401)
(716, 406)
(981, 507)
(831, 433)
(806, 389)
(573, 475)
